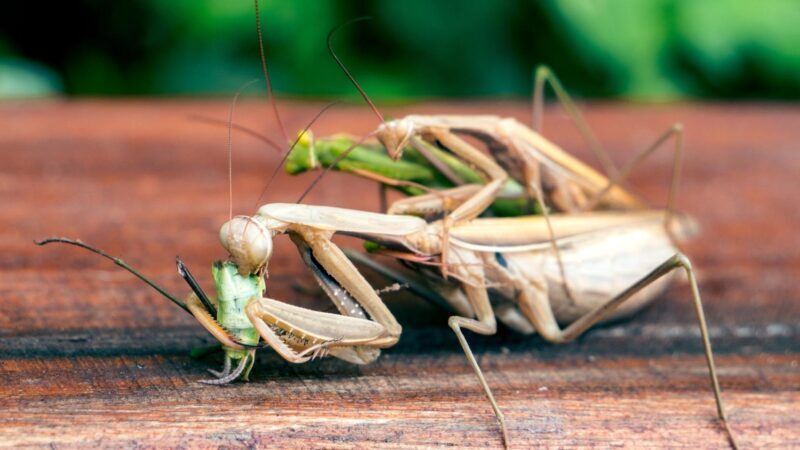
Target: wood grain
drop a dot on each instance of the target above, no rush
(89, 357)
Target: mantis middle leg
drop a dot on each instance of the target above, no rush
(674, 132)
(484, 323)
(543, 75)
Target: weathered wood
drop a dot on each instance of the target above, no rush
(91, 357)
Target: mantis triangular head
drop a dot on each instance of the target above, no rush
(249, 243)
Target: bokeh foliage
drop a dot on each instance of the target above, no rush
(643, 49)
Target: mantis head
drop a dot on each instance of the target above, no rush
(249, 243)
(394, 135)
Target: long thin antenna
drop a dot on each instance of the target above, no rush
(347, 72)
(267, 81)
(288, 152)
(118, 262)
(333, 164)
(248, 131)
(230, 147)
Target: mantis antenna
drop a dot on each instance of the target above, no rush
(360, 91)
(118, 262)
(230, 146)
(265, 139)
(248, 131)
(291, 147)
(344, 69)
(267, 82)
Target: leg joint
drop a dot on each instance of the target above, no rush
(682, 260)
(452, 322)
(543, 71)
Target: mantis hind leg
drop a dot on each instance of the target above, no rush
(538, 310)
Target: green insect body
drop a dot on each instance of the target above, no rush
(311, 153)
(234, 292)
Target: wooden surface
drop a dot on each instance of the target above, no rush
(90, 357)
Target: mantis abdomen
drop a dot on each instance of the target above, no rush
(597, 267)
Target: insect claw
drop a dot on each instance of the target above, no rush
(229, 377)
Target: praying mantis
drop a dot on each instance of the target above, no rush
(619, 256)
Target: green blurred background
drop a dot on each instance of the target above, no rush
(636, 49)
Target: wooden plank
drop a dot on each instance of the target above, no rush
(90, 357)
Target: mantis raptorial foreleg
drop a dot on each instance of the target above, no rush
(431, 204)
(427, 205)
(296, 334)
(198, 310)
(484, 197)
(335, 263)
(305, 333)
(481, 197)
(342, 300)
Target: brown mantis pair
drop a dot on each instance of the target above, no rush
(532, 273)
(616, 260)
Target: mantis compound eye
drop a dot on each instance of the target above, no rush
(394, 135)
(249, 243)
